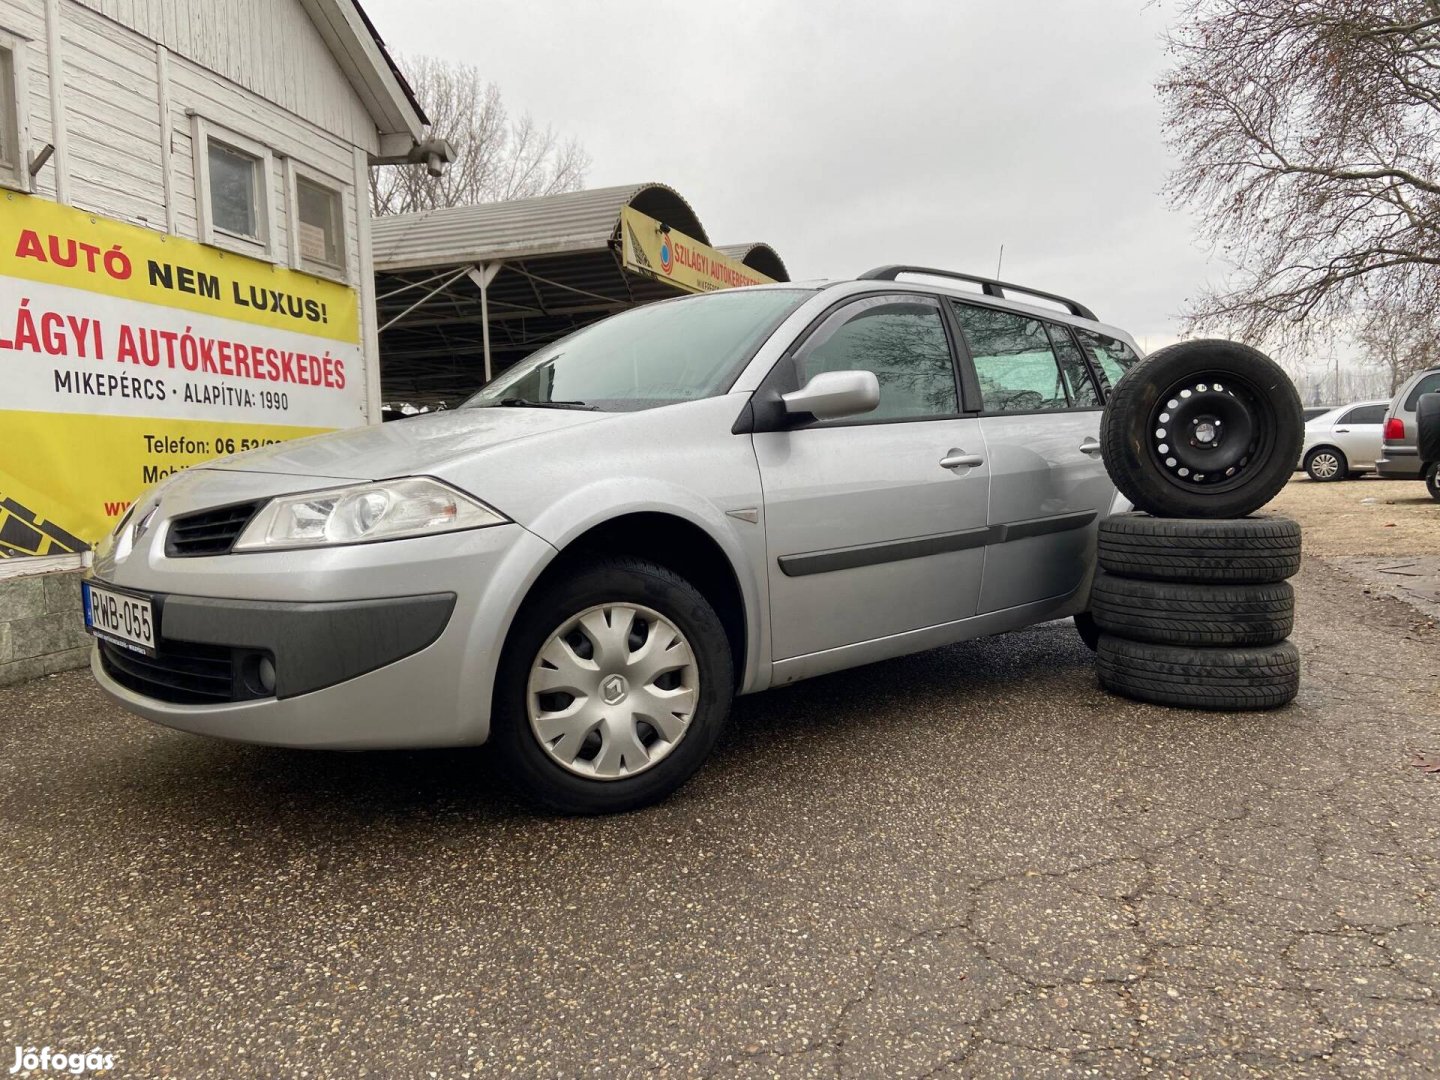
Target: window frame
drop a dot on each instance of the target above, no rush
(1412, 399)
(785, 376)
(1045, 322)
(1346, 418)
(297, 171)
(202, 131)
(1086, 360)
(17, 178)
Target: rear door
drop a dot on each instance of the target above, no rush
(1359, 432)
(876, 525)
(1041, 422)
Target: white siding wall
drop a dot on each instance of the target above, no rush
(255, 67)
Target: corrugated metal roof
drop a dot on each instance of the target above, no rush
(758, 256)
(548, 225)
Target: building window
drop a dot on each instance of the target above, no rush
(234, 190)
(13, 171)
(320, 216)
(232, 176)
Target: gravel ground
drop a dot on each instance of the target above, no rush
(1366, 516)
(971, 862)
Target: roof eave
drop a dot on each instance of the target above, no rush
(367, 65)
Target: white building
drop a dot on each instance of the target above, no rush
(245, 126)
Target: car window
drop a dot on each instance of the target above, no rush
(1365, 414)
(1111, 355)
(903, 343)
(651, 356)
(1013, 360)
(1078, 379)
(1430, 384)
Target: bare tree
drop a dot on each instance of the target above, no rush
(497, 157)
(1309, 138)
(1398, 342)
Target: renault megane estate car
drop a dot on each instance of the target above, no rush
(694, 499)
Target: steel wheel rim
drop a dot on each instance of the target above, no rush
(1325, 466)
(612, 691)
(1208, 431)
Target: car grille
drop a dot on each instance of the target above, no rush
(183, 672)
(209, 532)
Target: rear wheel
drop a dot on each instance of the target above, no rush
(1202, 429)
(1325, 463)
(613, 688)
(1432, 481)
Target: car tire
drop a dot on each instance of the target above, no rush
(1213, 616)
(1239, 551)
(1325, 464)
(1263, 677)
(1432, 481)
(1088, 630)
(601, 593)
(1427, 428)
(1202, 429)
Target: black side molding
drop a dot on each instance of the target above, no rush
(919, 547)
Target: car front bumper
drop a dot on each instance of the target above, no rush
(391, 644)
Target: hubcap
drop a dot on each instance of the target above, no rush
(1204, 432)
(1324, 466)
(612, 691)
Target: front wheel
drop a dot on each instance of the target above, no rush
(1326, 464)
(612, 689)
(1432, 481)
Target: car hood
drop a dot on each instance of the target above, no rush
(416, 445)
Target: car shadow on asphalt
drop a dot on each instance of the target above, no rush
(196, 776)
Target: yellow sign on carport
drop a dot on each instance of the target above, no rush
(676, 258)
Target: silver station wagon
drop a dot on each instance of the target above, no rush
(699, 498)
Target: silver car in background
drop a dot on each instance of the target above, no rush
(1343, 442)
(699, 498)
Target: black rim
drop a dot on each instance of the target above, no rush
(1211, 431)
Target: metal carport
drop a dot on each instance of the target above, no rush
(465, 291)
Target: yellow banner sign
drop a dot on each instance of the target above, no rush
(127, 354)
(671, 256)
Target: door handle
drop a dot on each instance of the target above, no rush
(1342, 431)
(1090, 446)
(956, 458)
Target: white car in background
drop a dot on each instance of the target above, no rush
(1345, 441)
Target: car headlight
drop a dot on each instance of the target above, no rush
(360, 513)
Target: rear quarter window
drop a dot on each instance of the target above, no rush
(1429, 384)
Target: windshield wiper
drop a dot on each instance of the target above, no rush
(526, 403)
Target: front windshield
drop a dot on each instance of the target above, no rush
(661, 354)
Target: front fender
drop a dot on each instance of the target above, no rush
(564, 521)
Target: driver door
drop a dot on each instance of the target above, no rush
(875, 524)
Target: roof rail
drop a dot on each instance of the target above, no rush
(990, 286)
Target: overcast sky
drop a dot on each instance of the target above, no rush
(850, 134)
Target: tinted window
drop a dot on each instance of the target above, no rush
(1111, 355)
(1365, 414)
(1078, 379)
(904, 344)
(660, 354)
(1013, 360)
(1428, 385)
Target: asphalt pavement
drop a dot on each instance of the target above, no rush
(971, 862)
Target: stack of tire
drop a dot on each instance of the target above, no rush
(1191, 604)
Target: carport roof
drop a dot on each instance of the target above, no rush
(547, 225)
(553, 264)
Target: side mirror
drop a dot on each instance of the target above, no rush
(833, 394)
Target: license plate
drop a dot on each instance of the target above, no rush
(122, 619)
